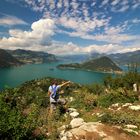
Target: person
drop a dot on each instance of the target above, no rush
(53, 92)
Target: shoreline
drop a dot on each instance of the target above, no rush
(110, 72)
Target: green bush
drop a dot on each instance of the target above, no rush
(96, 89)
(116, 96)
(120, 118)
(13, 124)
(127, 80)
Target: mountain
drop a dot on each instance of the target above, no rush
(74, 58)
(103, 64)
(7, 60)
(80, 57)
(27, 56)
(126, 58)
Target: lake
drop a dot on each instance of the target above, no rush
(15, 76)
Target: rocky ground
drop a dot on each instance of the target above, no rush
(78, 129)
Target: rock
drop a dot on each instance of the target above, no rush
(64, 138)
(101, 115)
(130, 126)
(63, 127)
(76, 122)
(126, 104)
(108, 138)
(62, 133)
(74, 114)
(118, 108)
(97, 114)
(93, 114)
(71, 99)
(135, 88)
(135, 107)
(131, 131)
(111, 109)
(93, 127)
(69, 134)
(97, 131)
(72, 110)
(115, 105)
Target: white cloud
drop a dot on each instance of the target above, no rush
(83, 27)
(114, 34)
(70, 48)
(136, 5)
(37, 5)
(38, 40)
(8, 20)
(59, 4)
(104, 2)
(122, 9)
(136, 20)
(40, 33)
(80, 25)
(115, 2)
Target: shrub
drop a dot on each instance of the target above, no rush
(96, 89)
(127, 80)
(116, 96)
(120, 118)
(90, 101)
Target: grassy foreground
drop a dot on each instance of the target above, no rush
(24, 111)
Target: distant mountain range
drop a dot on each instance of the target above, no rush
(126, 58)
(10, 58)
(7, 60)
(118, 58)
(73, 58)
(27, 56)
(103, 64)
(18, 57)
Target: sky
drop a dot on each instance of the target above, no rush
(65, 27)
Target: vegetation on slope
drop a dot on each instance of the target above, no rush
(24, 111)
(7, 60)
(103, 64)
(126, 58)
(27, 56)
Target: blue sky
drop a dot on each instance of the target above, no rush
(70, 26)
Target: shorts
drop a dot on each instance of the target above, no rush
(58, 102)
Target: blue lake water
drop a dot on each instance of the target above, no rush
(15, 76)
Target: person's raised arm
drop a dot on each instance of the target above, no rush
(64, 84)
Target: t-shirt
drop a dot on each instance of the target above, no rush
(57, 87)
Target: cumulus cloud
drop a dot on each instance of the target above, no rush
(38, 40)
(65, 49)
(8, 20)
(40, 33)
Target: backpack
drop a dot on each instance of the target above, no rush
(54, 94)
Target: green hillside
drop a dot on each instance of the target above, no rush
(126, 58)
(103, 64)
(24, 111)
(27, 56)
(7, 60)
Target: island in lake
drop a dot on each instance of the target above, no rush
(102, 64)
